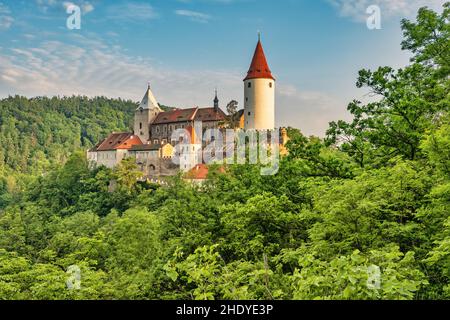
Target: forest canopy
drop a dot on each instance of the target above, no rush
(373, 195)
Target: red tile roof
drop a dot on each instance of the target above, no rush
(200, 172)
(178, 115)
(259, 67)
(120, 140)
(183, 115)
(210, 114)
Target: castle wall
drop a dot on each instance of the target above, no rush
(111, 158)
(162, 133)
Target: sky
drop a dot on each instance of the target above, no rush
(187, 48)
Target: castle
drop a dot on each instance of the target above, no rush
(151, 142)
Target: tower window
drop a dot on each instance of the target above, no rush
(246, 99)
(270, 84)
(140, 125)
(249, 84)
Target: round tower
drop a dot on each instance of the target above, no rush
(259, 93)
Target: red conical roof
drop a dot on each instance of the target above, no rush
(259, 67)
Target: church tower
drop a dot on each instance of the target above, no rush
(146, 112)
(259, 93)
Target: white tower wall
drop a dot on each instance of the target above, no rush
(259, 102)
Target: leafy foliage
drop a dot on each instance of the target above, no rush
(375, 195)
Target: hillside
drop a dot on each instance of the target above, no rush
(38, 132)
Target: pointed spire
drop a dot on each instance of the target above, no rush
(216, 101)
(149, 100)
(259, 68)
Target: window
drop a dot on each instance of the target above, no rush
(157, 129)
(246, 99)
(140, 125)
(249, 85)
(164, 141)
(270, 84)
(155, 141)
(249, 113)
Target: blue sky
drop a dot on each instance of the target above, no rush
(186, 48)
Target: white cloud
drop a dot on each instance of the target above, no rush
(356, 9)
(6, 20)
(90, 67)
(194, 15)
(132, 11)
(85, 6)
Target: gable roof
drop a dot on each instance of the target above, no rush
(183, 115)
(259, 68)
(210, 114)
(119, 141)
(178, 115)
(95, 148)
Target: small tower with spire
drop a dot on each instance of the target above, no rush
(216, 102)
(145, 113)
(259, 93)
